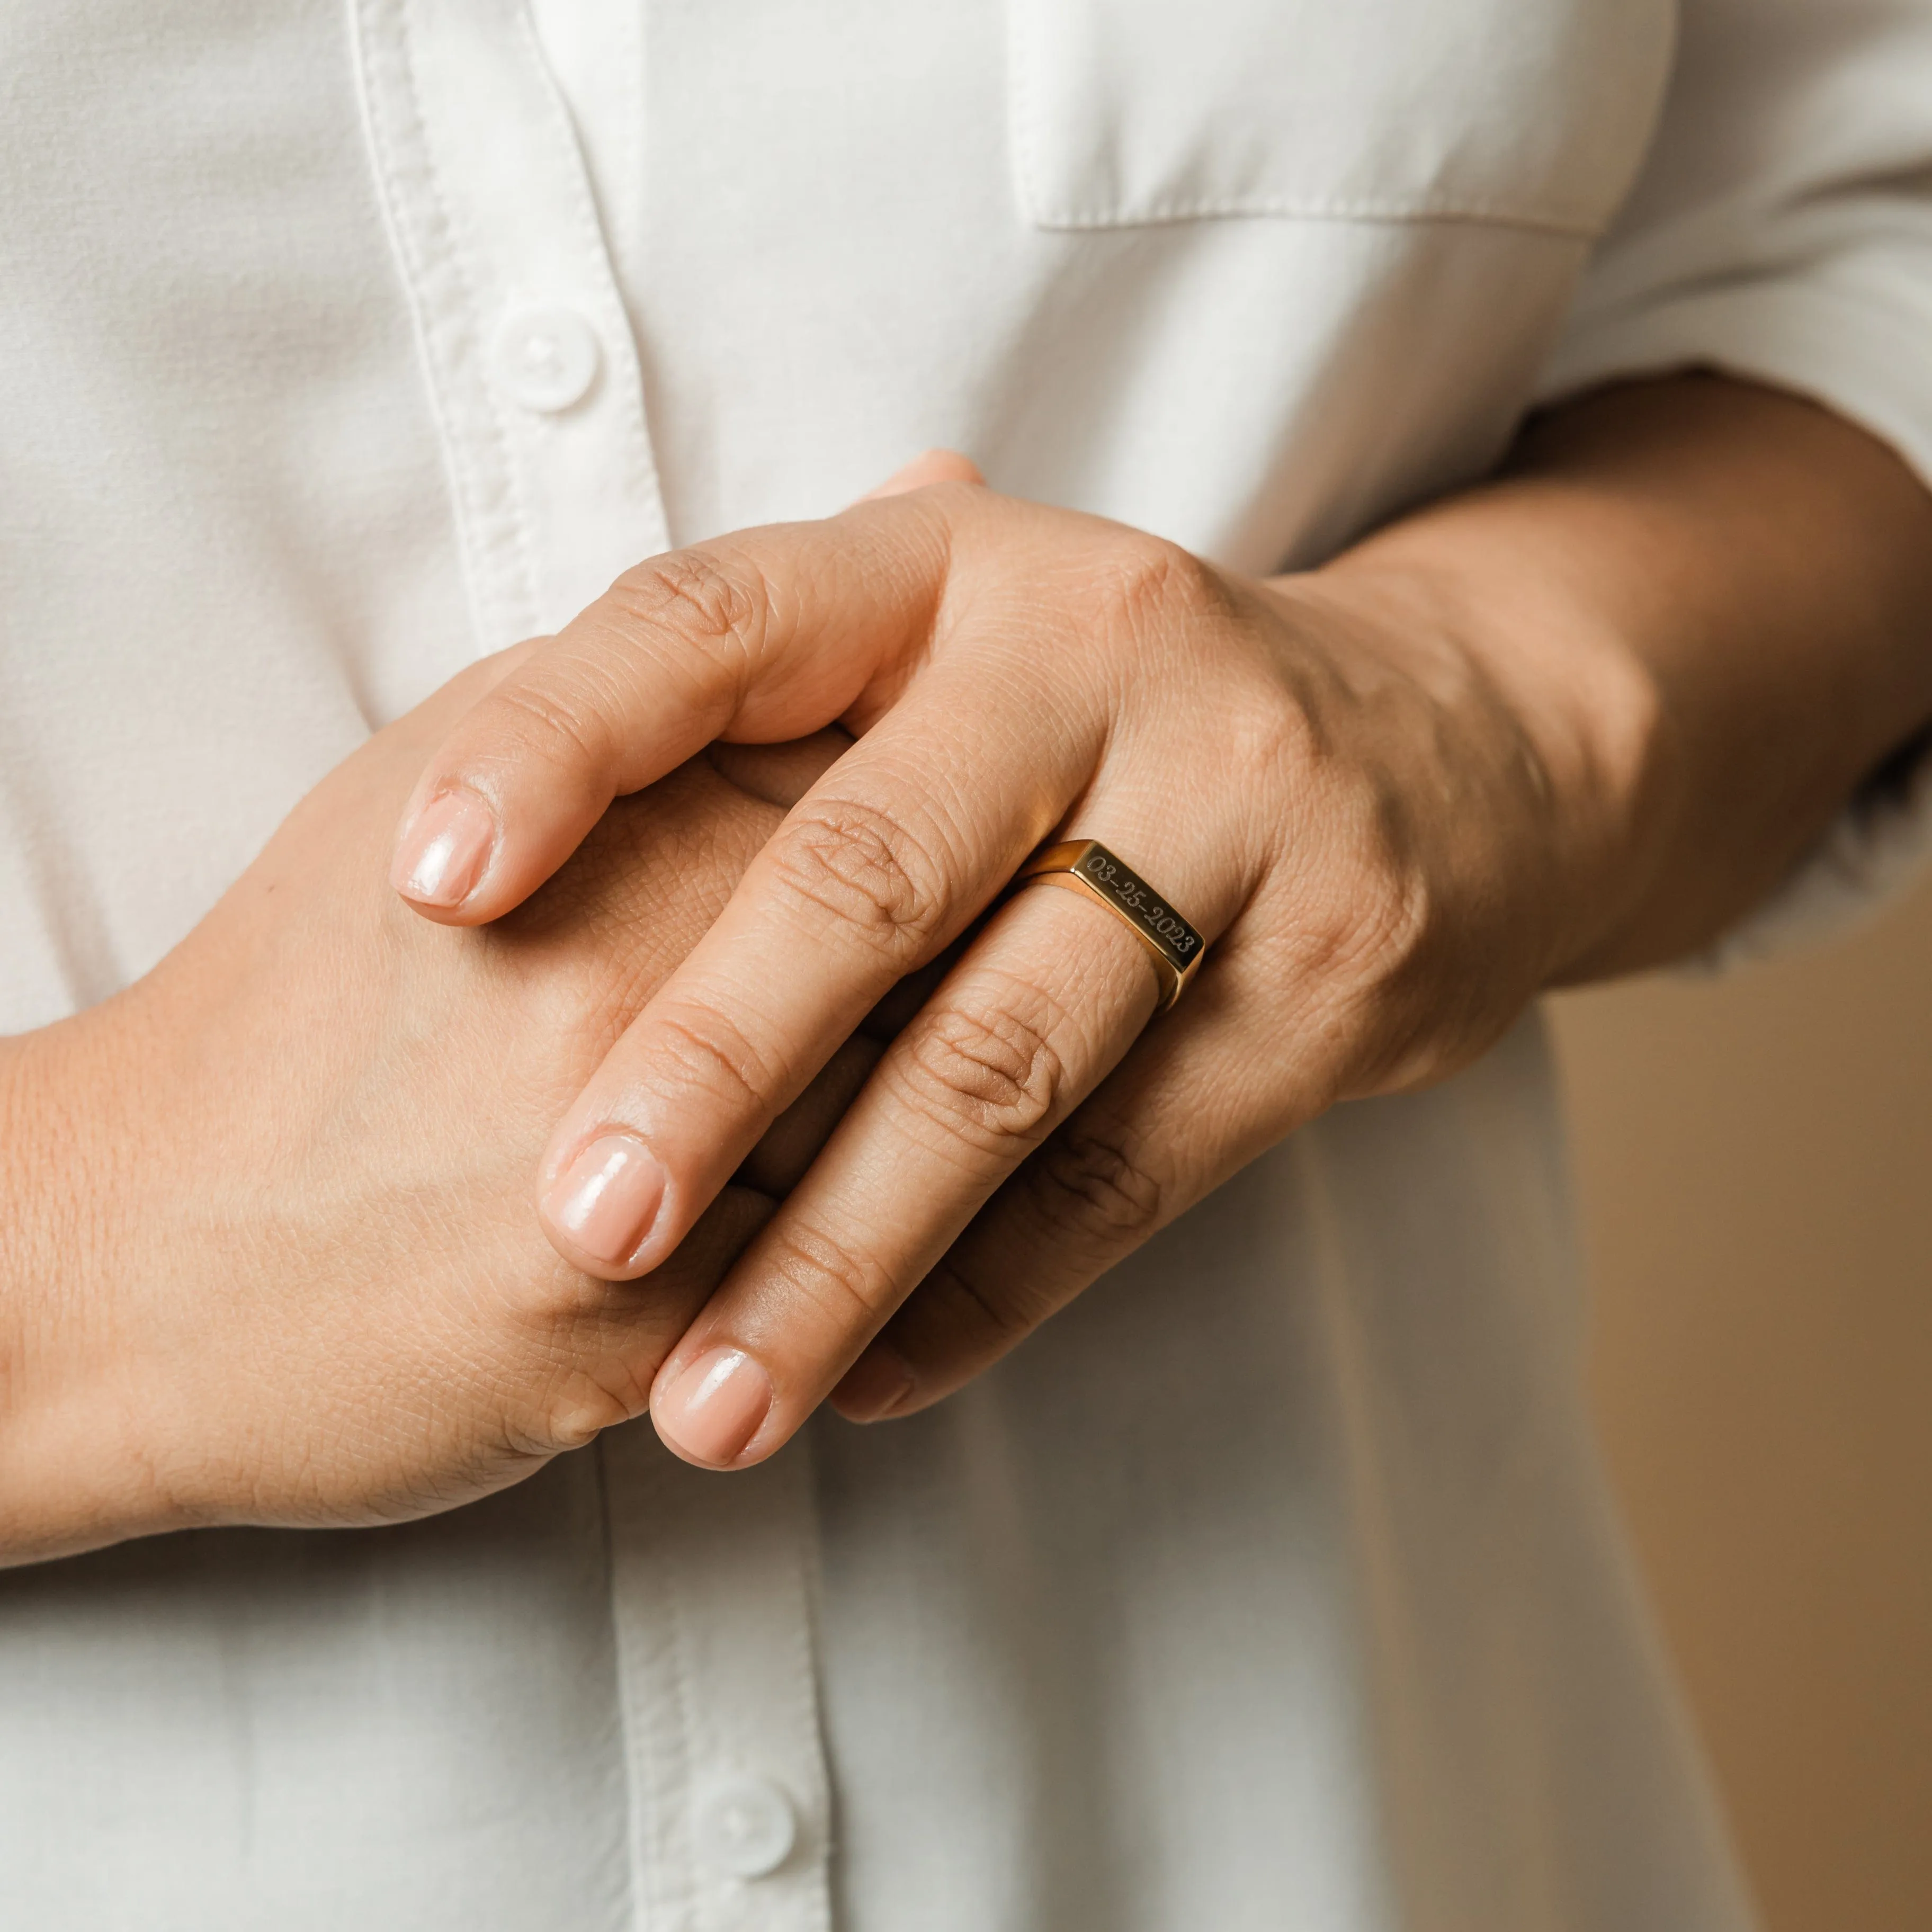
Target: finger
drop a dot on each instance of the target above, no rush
(766, 635)
(606, 1363)
(934, 466)
(780, 774)
(887, 860)
(1052, 995)
(791, 1143)
(1194, 1104)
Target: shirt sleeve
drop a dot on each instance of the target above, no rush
(1781, 230)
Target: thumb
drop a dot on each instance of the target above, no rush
(768, 635)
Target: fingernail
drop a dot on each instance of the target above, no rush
(874, 1385)
(714, 1407)
(443, 853)
(606, 1198)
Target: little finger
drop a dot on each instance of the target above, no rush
(1202, 1097)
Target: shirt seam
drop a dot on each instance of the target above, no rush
(1020, 65)
(498, 566)
(1161, 215)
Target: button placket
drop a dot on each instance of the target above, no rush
(531, 366)
(533, 374)
(712, 1581)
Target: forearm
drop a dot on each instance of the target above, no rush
(1710, 605)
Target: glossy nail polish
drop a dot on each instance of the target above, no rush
(445, 850)
(605, 1200)
(714, 1407)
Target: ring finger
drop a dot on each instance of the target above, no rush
(1045, 1004)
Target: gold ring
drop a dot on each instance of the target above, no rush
(1085, 866)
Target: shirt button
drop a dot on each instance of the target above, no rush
(745, 1827)
(546, 357)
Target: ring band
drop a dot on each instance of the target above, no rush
(1085, 866)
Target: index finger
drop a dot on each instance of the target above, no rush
(766, 635)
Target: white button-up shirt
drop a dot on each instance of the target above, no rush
(1273, 1585)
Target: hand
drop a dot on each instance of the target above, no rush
(268, 1253)
(1382, 830)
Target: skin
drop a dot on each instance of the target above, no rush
(1565, 725)
(266, 1249)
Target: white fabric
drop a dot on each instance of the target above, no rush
(1272, 1586)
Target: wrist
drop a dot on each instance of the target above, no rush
(1570, 717)
(72, 1474)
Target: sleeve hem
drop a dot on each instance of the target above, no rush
(1848, 353)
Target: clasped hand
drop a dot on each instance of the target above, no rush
(267, 1255)
(1366, 816)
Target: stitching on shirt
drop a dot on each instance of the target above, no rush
(408, 245)
(467, 282)
(657, 1758)
(498, 567)
(801, 1642)
(1025, 160)
(1028, 171)
(1166, 214)
(388, 53)
(377, 54)
(625, 1665)
(677, 1814)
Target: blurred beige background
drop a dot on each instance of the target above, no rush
(1755, 1160)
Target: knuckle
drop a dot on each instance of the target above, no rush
(697, 597)
(702, 1048)
(1367, 961)
(1148, 582)
(1372, 919)
(989, 1072)
(1396, 920)
(1094, 1185)
(994, 1316)
(698, 616)
(1269, 740)
(859, 865)
(846, 1289)
(1387, 974)
(562, 723)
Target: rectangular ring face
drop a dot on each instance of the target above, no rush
(1151, 915)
